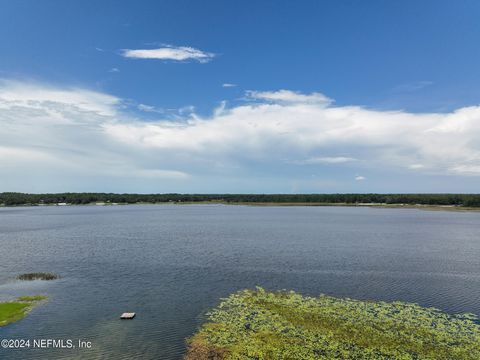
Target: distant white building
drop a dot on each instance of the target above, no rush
(62, 204)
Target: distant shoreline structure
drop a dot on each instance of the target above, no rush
(422, 201)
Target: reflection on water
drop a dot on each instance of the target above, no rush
(169, 264)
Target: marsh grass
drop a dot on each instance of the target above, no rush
(38, 276)
(13, 311)
(32, 298)
(285, 325)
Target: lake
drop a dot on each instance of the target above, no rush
(171, 263)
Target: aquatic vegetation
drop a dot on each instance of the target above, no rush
(32, 298)
(12, 311)
(38, 276)
(257, 324)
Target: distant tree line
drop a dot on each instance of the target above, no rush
(468, 200)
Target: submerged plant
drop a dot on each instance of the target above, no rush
(38, 276)
(256, 324)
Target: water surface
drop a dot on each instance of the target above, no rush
(171, 263)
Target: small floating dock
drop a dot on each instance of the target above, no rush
(127, 316)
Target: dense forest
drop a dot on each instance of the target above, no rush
(466, 200)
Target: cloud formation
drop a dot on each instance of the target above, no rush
(20, 95)
(67, 133)
(149, 108)
(168, 52)
(290, 97)
(325, 160)
(56, 136)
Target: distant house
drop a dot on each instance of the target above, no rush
(62, 204)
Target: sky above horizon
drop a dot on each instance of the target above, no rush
(240, 97)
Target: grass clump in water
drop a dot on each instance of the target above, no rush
(32, 298)
(12, 311)
(38, 276)
(256, 324)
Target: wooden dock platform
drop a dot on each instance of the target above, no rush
(127, 316)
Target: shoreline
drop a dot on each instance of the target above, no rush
(15, 310)
(269, 204)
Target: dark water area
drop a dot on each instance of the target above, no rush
(171, 263)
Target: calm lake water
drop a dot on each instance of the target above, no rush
(171, 263)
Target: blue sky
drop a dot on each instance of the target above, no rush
(230, 96)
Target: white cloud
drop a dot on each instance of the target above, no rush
(37, 96)
(157, 173)
(180, 53)
(149, 108)
(466, 169)
(290, 97)
(114, 70)
(325, 160)
(228, 85)
(442, 143)
(360, 178)
(76, 132)
(15, 155)
(186, 110)
(146, 108)
(60, 132)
